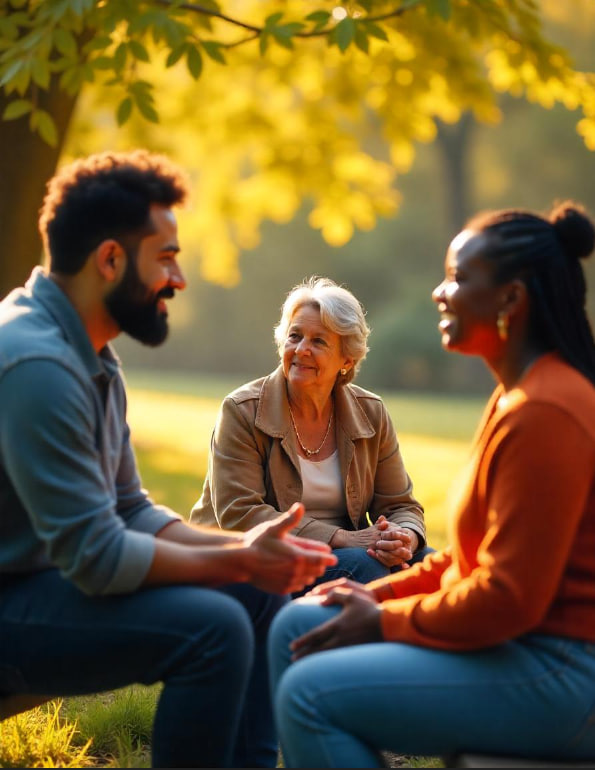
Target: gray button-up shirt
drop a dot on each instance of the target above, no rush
(70, 492)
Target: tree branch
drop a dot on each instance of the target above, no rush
(201, 9)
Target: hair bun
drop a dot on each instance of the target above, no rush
(574, 229)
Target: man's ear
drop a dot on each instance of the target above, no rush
(110, 259)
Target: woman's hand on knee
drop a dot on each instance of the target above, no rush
(359, 622)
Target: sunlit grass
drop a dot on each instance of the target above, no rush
(42, 738)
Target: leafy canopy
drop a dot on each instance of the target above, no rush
(288, 98)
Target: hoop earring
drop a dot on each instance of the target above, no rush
(502, 322)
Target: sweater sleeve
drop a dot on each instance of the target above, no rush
(421, 578)
(531, 489)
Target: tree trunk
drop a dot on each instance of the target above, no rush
(26, 164)
(453, 143)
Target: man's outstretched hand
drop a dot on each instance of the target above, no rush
(279, 562)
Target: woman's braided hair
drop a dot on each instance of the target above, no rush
(545, 252)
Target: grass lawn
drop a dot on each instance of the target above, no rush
(171, 417)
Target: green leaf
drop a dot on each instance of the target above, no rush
(282, 40)
(194, 62)
(146, 109)
(263, 42)
(78, 6)
(439, 8)
(374, 30)
(287, 30)
(65, 42)
(120, 56)
(88, 72)
(175, 55)
(141, 89)
(46, 128)
(71, 80)
(213, 50)
(361, 39)
(344, 33)
(16, 109)
(98, 43)
(12, 71)
(283, 34)
(40, 73)
(319, 16)
(102, 63)
(138, 50)
(271, 21)
(124, 110)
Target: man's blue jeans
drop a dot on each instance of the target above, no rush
(340, 708)
(207, 646)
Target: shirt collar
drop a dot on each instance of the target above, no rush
(51, 296)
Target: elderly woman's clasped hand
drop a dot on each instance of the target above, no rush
(389, 543)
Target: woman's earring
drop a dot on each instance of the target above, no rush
(343, 372)
(502, 323)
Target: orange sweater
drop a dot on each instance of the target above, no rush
(523, 532)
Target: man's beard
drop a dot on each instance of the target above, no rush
(134, 308)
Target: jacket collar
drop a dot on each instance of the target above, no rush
(272, 414)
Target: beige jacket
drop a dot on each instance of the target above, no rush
(254, 470)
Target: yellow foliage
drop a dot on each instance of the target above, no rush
(586, 128)
(266, 134)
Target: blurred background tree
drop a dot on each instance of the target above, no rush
(328, 143)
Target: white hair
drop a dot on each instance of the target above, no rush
(340, 312)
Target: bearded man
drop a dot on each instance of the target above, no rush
(99, 586)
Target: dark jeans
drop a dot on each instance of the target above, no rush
(355, 564)
(207, 646)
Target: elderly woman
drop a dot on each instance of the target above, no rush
(305, 433)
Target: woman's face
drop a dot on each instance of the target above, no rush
(468, 300)
(312, 354)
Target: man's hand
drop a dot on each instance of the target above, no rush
(279, 562)
(358, 622)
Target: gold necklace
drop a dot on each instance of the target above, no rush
(309, 452)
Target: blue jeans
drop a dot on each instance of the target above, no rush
(207, 646)
(533, 696)
(355, 564)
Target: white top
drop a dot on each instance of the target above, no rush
(323, 495)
